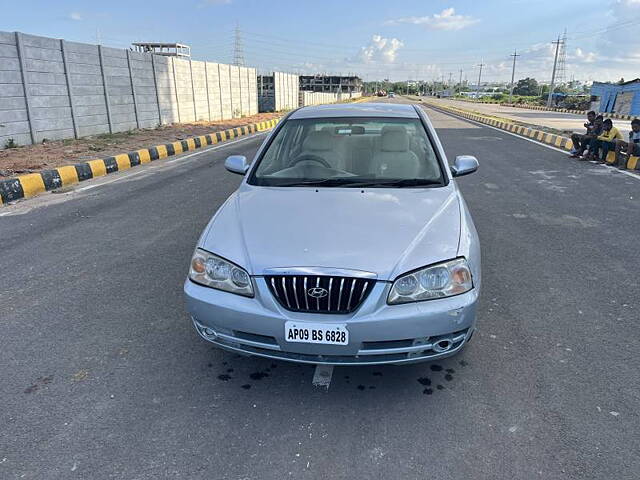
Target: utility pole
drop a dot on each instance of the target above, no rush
(553, 75)
(460, 81)
(449, 84)
(479, 78)
(513, 73)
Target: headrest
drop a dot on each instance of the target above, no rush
(394, 139)
(318, 141)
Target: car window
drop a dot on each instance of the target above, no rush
(349, 152)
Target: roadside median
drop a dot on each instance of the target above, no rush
(32, 184)
(555, 140)
(528, 106)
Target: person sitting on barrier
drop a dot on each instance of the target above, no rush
(593, 137)
(581, 141)
(606, 142)
(631, 148)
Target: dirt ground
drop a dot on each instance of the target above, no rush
(51, 154)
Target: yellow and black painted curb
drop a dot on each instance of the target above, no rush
(539, 135)
(29, 185)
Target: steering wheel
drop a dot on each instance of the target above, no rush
(309, 157)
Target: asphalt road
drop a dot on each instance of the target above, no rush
(559, 120)
(103, 376)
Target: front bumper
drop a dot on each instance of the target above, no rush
(378, 333)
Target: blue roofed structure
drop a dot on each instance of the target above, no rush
(621, 98)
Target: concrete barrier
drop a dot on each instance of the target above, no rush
(32, 184)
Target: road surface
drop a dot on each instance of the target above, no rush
(104, 377)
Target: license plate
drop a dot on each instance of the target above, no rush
(324, 333)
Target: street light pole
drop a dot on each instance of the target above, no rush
(479, 78)
(553, 75)
(513, 73)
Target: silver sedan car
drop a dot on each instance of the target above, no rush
(347, 243)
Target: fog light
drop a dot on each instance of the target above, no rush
(209, 333)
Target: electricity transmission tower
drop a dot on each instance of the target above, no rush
(238, 50)
(562, 59)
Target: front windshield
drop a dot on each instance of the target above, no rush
(350, 152)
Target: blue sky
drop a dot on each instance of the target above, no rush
(376, 39)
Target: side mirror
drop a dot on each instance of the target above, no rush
(464, 165)
(237, 164)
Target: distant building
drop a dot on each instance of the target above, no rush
(166, 49)
(476, 94)
(621, 98)
(330, 83)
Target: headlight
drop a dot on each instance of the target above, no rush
(437, 281)
(215, 272)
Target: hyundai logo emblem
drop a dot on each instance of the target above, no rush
(317, 292)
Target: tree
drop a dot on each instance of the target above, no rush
(527, 87)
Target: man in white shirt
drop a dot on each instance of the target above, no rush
(631, 147)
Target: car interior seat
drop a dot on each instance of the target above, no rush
(394, 159)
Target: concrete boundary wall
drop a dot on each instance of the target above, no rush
(287, 88)
(319, 98)
(278, 91)
(54, 89)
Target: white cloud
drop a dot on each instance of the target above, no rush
(445, 20)
(75, 16)
(380, 49)
(579, 56)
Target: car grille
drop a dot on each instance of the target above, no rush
(319, 293)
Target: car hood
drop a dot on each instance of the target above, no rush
(385, 231)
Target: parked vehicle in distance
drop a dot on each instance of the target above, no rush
(348, 242)
(391, 95)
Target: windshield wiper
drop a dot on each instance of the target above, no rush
(327, 182)
(408, 182)
(344, 182)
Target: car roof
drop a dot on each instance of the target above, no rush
(356, 110)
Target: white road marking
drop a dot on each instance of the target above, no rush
(322, 376)
(106, 182)
(625, 172)
(216, 147)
